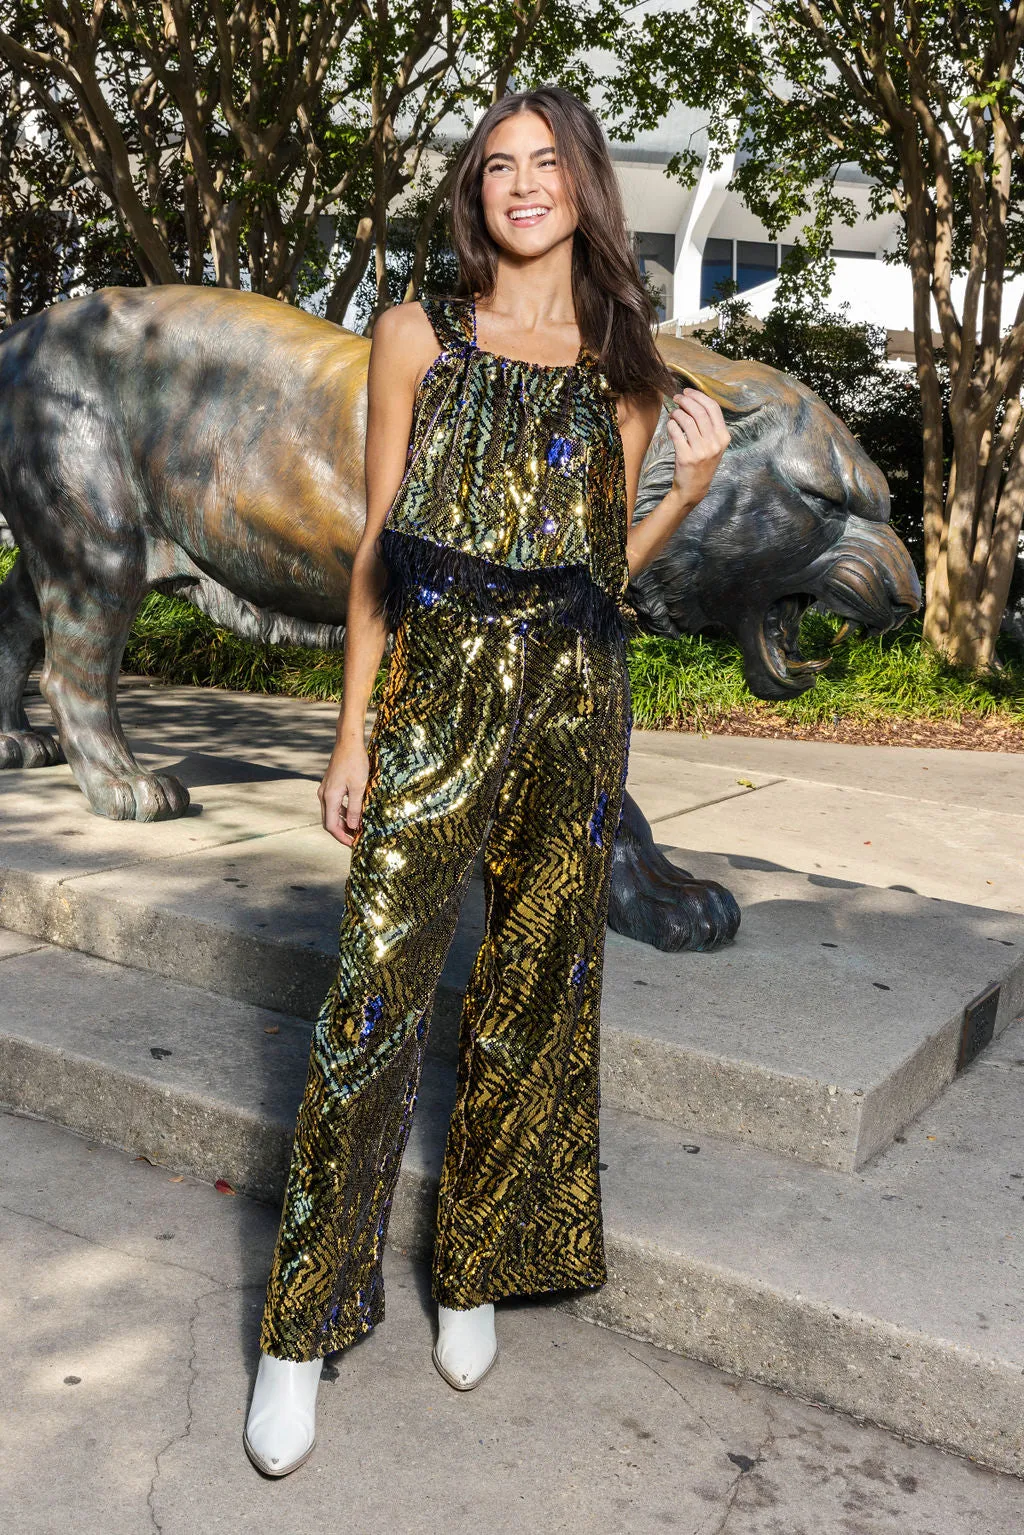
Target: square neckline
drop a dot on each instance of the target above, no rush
(524, 362)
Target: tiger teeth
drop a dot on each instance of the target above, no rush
(808, 666)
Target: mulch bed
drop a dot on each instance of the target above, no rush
(975, 732)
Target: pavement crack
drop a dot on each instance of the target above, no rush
(192, 1377)
(737, 1481)
(123, 1252)
(715, 799)
(62, 881)
(672, 1387)
(40, 943)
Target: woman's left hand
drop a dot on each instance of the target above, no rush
(700, 437)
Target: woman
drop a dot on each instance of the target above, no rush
(501, 475)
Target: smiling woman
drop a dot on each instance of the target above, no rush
(541, 240)
(501, 475)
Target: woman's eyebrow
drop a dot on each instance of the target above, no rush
(501, 154)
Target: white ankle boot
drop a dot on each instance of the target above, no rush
(466, 1346)
(280, 1431)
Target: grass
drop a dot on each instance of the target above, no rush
(174, 641)
(692, 682)
(686, 684)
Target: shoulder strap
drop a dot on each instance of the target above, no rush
(451, 319)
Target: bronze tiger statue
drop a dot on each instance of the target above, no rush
(209, 444)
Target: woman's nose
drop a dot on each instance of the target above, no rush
(524, 181)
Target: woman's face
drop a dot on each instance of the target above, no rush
(525, 202)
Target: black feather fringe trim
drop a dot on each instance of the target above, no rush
(412, 562)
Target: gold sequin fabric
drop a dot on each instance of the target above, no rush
(509, 732)
(514, 484)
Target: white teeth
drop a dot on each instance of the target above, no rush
(527, 213)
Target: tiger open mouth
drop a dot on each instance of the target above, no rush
(778, 643)
(866, 579)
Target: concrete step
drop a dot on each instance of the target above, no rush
(835, 1017)
(893, 1294)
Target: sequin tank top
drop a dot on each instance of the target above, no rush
(514, 484)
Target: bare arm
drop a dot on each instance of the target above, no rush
(700, 437)
(391, 387)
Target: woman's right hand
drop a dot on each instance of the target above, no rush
(341, 792)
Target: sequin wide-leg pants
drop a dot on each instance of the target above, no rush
(511, 734)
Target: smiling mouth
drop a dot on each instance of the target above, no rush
(528, 216)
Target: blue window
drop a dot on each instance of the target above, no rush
(755, 263)
(716, 268)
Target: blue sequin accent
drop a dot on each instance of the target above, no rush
(428, 596)
(548, 525)
(560, 451)
(364, 1307)
(372, 1011)
(596, 821)
(577, 972)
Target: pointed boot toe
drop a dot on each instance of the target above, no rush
(466, 1346)
(280, 1431)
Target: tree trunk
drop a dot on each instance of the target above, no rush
(348, 281)
(979, 590)
(1002, 554)
(421, 248)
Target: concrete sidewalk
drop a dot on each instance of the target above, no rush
(848, 1229)
(131, 1300)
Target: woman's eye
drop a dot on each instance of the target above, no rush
(544, 164)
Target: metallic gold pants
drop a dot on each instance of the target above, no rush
(509, 732)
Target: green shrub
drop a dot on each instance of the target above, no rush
(690, 683)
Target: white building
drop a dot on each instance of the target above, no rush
(692, 238)
(689, 239)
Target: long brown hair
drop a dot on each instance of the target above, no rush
(613, 309)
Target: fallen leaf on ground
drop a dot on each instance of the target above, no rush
(273, 1030)
(223, 1186)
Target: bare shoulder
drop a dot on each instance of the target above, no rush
(402, 324)
(406, 327)
(404, 341)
